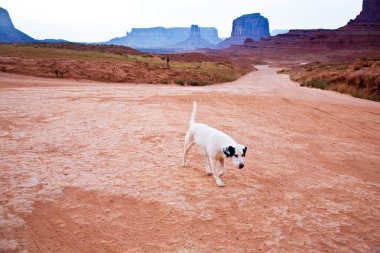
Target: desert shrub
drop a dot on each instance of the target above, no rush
(354, 91)
(3, 69)
(318, 83)
(165, 82)
(59, 72)
(366, 64)
(147, 56)
(342, 88)
(198, 83)
(230, 78)
(180, 82)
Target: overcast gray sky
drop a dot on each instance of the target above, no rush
(95, 21)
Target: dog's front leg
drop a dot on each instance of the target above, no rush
(216, 172)
(207, 167)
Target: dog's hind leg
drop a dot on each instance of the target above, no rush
(215, 171)
(187, 146)
(207, 167)
(223, 165)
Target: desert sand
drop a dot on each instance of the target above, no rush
(94, 167)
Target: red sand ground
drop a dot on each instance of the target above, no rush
(93, 167)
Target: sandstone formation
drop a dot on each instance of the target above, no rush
(5, 19)
(369, 17)
(195, 40)
(160, 37)
(252, 26)
(370, 12)
(8, 33)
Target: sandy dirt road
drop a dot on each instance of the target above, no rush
(93, 167)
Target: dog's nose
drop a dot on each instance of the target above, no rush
(241, 166)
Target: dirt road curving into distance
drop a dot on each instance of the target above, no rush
(93, 167)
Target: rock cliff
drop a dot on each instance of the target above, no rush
(370, 12)
(5, 19)
(369, 17)
(252, 26)
(8, 33)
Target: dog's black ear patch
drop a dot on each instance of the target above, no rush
(232, 150)
(244, 151)
(229, 151)
(226, 152)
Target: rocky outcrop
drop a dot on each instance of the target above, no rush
(370, 12)
(362, 32)
(195, 31)
(8, 33)
(252, 26)
(195, 40)
(160, 37)
(368, 19)
(5, 19)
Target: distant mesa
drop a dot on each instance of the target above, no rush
(54, 41)
(278, 31)
(172, 38)
(252, 26)
(8, 33)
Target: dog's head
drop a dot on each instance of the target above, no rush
(237, 153)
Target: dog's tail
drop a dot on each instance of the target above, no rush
(192, 119)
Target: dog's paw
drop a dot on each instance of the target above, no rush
(220, 183)
(209, 172)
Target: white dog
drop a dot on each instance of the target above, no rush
(216, 144)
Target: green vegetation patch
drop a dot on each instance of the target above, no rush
(83, 62)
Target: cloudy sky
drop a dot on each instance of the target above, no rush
(95, 21)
